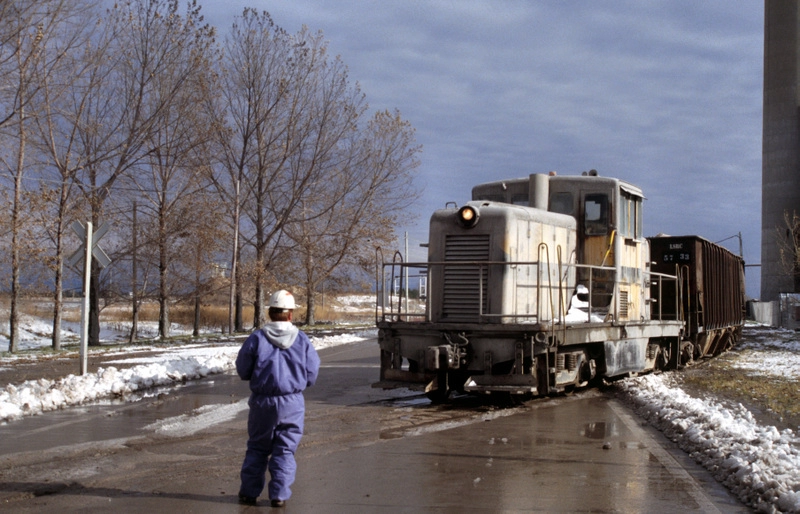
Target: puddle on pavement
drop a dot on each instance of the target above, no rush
(599, 430)
(411, 402)
(112, 419)
(595, 430)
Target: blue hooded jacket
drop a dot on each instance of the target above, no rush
(278, 360)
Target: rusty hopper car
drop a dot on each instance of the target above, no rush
(537, 285)
(710, 293)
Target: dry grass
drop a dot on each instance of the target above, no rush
(213, 317)
(775, 399)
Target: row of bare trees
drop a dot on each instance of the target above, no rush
(256, 151)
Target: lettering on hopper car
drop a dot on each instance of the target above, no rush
(677, 257)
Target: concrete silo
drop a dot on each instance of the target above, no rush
(781, 141)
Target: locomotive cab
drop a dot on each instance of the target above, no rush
(610, 243)
(611, 248)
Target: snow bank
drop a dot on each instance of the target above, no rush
(37, 396)
(759, 464)
(328, 341)
(172, 365)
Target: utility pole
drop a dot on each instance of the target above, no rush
(407, 271)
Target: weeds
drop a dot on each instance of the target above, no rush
(212, 317)
(775, 398)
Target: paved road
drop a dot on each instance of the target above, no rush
(365, 450)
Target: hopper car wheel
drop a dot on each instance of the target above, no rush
(727, 342)
(687, 353)
(662, 360)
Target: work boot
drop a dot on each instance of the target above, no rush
(247, 500)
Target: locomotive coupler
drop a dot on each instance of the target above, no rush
(440, 357)
(453, 355)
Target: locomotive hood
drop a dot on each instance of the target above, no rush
(281, 334)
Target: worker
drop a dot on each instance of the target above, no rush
(280, 362)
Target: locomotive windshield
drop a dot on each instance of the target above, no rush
(562, 203)
(520, 199)
(595, 214)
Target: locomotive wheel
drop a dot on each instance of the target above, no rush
(506, 399)
(442, 391)
(438, 395)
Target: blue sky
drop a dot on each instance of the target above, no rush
(664, 94)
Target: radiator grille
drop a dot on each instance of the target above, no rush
(461, 299)
(623, 304)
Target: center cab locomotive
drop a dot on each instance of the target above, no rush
(536, 286)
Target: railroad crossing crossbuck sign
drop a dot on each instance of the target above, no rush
(89, 249)
(97, 252)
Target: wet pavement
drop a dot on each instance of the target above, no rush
(573, 455)
(365, 450)
(108, 420)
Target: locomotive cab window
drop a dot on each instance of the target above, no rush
(562, 203)
(520, 199)
(595, 214)
(630, 216)
(489, 198)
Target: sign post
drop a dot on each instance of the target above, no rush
(88, 249)
(87, 280)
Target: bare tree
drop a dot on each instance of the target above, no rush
(204, 238)
(55, 138)
(254, 70)
(291, 108)
(356, 209)
(126, 97)
(788, 241)
(33, 43)
(169, 180)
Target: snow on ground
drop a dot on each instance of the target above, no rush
(357, 303)
(171, 365)
(757, 462)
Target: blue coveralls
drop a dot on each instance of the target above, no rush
(279, 367)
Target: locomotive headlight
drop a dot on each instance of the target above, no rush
(468, 216)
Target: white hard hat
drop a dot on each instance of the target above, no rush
(282, 299)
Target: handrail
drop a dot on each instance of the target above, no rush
(402, 313)
(684, 280)
(379, 291)
(661, 277)
(539, 279)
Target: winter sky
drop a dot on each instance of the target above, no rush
(666, 94)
